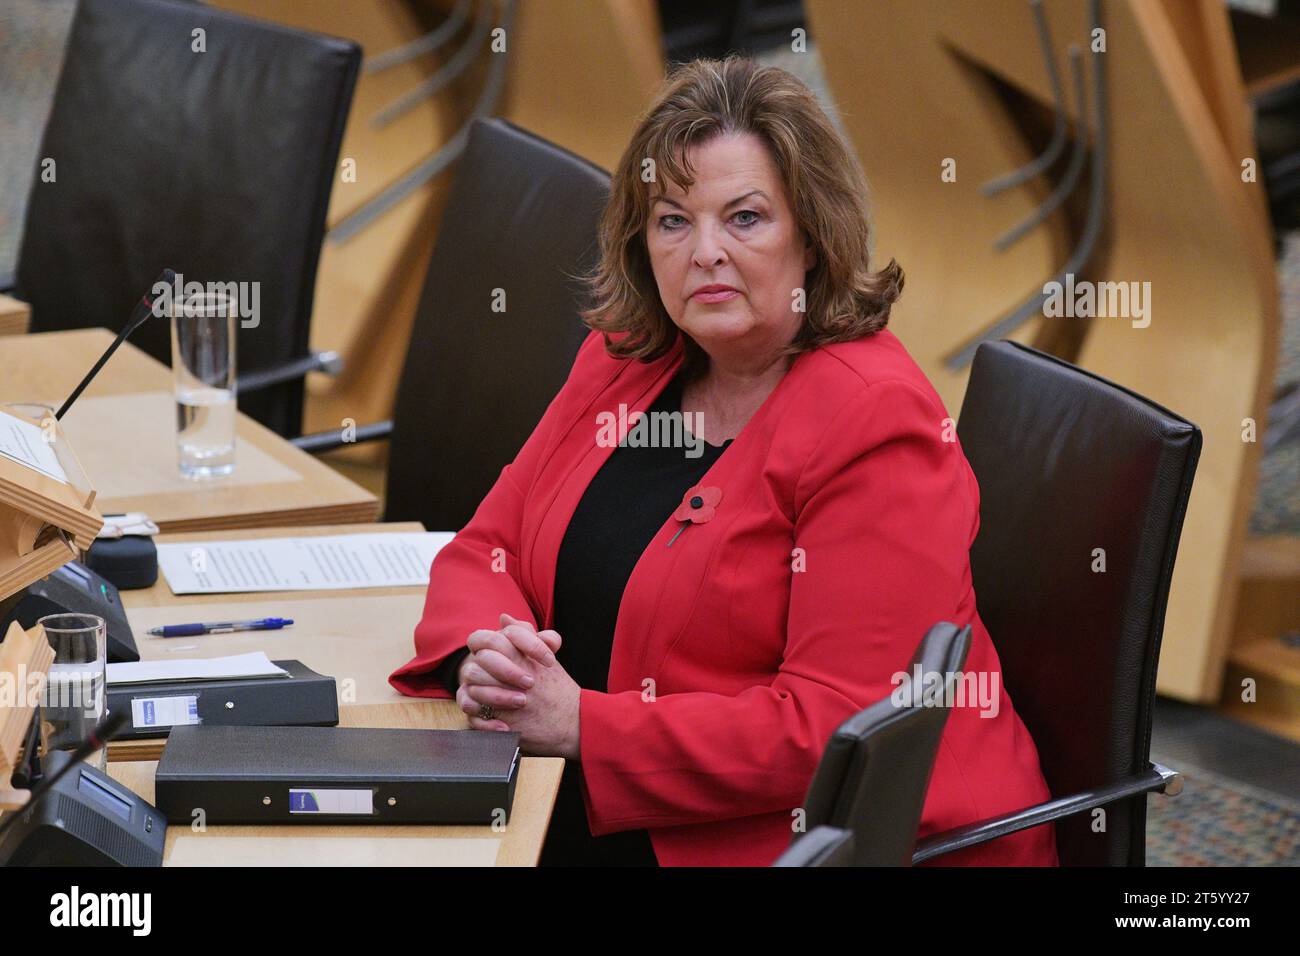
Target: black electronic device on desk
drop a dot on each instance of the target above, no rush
(86, 819)
(337, 775)
(124, 553)
(304, 698)
(74, 588)
(129, 561)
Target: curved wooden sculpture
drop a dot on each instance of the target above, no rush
(367, 289)
(575, 73)
(921, 81)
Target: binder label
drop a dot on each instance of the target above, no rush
(164, 711)
(332, 801)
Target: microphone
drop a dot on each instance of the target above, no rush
(104, 731)
(143, 309)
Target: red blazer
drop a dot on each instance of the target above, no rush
(732, 665)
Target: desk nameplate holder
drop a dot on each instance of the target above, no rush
(22, 655)
(33, 505)
(44, 522)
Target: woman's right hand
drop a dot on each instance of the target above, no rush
(498, 669)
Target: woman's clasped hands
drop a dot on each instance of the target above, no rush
(513, 670)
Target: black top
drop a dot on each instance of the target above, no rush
(627, 502)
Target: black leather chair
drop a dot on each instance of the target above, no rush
(822, 846)
(217, 164)
(521, 218)
(875, 770)
(1069, 463)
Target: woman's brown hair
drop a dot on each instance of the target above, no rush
(703, 99)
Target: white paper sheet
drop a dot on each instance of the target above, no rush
(256, 664)
(25, 443)
(325, 563)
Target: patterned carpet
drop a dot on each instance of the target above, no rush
(1217, 821)
(1277, 503)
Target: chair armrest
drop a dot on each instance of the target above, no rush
(329, 362)
(820, 846)
(1159, 778)
(318, 442)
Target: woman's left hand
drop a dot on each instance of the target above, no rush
(548, 721)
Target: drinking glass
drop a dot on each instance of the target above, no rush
(73, 701)
(203, 360)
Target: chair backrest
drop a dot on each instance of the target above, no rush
(1083, 487)
(497, 328)
(875, 770)
(821, 846)
(212, 153)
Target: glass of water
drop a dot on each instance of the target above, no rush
(73, 700)
(203, 360)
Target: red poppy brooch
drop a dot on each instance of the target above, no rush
(698, 506)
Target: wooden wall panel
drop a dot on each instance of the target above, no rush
(578, 74)
(1180, 217)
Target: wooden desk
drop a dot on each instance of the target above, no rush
(123, 429)
(15, 316)
(358, 637)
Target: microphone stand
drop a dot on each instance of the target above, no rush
(143, 309)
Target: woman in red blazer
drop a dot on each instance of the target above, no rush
(795, 578)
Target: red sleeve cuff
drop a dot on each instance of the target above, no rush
(599, 746)
(417, 679)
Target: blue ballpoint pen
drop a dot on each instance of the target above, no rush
(221, 627)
